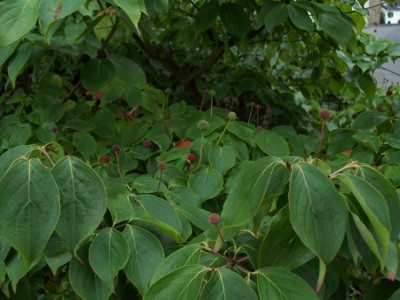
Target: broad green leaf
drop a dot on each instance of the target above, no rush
(388, 191)
(83, 280)
(56, 254)
(16, 268)
(78, 125)
(276, 14)
(369, 119)
(256, 182)
(96, 74)
(184, 195)
(272, 143)
(221, 158)
(336, 27)
(118, 202)
(317, 211)
(145, 255)
(182, 283)
(18, 61)
(367, 85)
(275, 283)
(234, 19)
(368, 242)
(6, 52)
(133, 9)
(300, 17)
(374, 206)
(83, 200)
(128, 71)
(29, 207)
(394, 50)
(85, 144)
(67, 7)
(206, 182)
(159, 213)
(281, 247)
(108, 253)
(9, 156)
(17, 17)
(197, 216)
(226, 284)
(134, 133)
(185, 256)
(243, 131)
(207, 16)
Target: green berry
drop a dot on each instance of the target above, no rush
(232, 116)
(203, 125)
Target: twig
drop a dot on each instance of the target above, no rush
(346, 167)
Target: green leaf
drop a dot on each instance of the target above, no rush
(159, 213)
(264, 178)
(17, 18)
(85, 144)
(18, 61)
(336, 27)
(234, 19)
(369, 119)
(221, 158)
(207, 16)
(108, 253)
(206, 182)
(83, 280)
(276, 13)
(185, 256)
(134, 133)
(186, 281)
(317, 211)
(226, 284)
(96, 74)
(83, 200)
(367, 85)
(275, 283)
(388, 191)
(374, 206)
(133, 9)
(272, 143)
(128, 71)
(281, 247)
(6, 52)
(197, 216)
(300, 17)
(29, 207)
(243, 131)
(145, 255)
(69, 6)
(9, 156)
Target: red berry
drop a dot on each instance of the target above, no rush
(324, 113)
(268, 112)
(183, 144)
(54, 130)
(389, 93)
(106, 159)
(147, 143)
(191, 157)
(214, 219)
(115, 148)
(161, 165)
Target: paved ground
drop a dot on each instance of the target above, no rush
(389, 71)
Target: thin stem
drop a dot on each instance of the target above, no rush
(223, 132)
(149, 161)
(321, 136)
(222, 239)
(251, 114)
(201, 147)
(43, 150)
(118, 166)
(159, 182)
